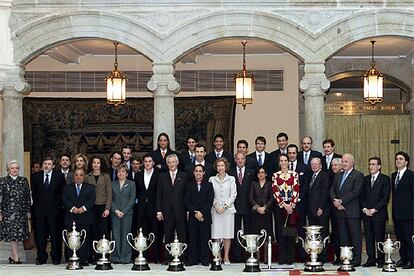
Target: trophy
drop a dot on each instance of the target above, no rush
(73, 241)
(389, 247)
(103, 246)
(346, 258)
(313, 245)
(140, 245)
(215, 248)
(252, 241)
(176, 249)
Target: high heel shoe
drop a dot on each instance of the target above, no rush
(11, 261)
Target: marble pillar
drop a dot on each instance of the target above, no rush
(164, 87)
(313, 85)
(13, 88)
(410, 107)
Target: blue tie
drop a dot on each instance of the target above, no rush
(78, 189)
(260, 160)
(344, 176)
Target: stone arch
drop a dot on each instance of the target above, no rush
(36, 36)
(215, 26)
(362, 25)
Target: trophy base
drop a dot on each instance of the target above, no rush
(103, 266)
(390, 267)
(140, 267)
(74, 265)
(216, 266)
(252, 268)
(312, 267)
(176, 267)
(346, 268)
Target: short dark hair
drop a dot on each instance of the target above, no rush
(261, 168)
(218, 136)
(328, 141)
(65, 155)
(200, 146)
(282, 134)
(146, 156)
(261, 139)
(376, 158)
(104, 165)
(126, 147)
(191, 137)
(119, 153)
(199, 165)
(405, 155)
(135, 158)
(46, 159)
(243, 142)
(293, 146)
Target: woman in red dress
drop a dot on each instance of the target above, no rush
(285, 189)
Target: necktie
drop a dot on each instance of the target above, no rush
(199, 186)
(306, 158)
(397, 180)
(291, 166)
(218, 155)
(312, 180)
(344, 176)
(328, 161)
(240, 176)
(260, 160)
(172, 177)
(66, 175)
(47, 182)
(163, 154)
(78, 189)
(192, 158)
(372, 181)
(113, 175)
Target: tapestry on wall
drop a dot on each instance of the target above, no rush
(91, 127)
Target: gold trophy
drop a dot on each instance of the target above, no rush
(74, 240)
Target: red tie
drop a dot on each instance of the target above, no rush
(163, 154)
(240, 177)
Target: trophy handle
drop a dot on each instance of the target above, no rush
(240, 235)
(168, 248)
(263, 235)
(184, 248)
(151, 238)
(113, 247)
(65, 233)
(128, 237)
(325, 240)
(303, 241)
(210, 244)
(93, 246)
(397, 245)
(83, 233)
(379, 247)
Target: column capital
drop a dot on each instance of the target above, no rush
(314, 83)
(410, 105)
(13, 81)
(163, 76)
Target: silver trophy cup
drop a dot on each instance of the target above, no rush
(74, 240)
(346, 258)
(313, 245)
(216, 248)
(140, 244)
(103, 246)
(252, 246)
(388, 247)
(176, 249)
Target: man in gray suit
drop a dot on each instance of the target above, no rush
(345, 195)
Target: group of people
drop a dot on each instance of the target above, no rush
(200, 196)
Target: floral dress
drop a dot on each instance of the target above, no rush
(286, 190)
(14, 206)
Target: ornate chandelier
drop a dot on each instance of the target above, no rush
(244, 83)
(373, 83)
(116, 83)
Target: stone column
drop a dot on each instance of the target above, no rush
(410, 107)
(313, 85)
(13, 87)
(164, 87)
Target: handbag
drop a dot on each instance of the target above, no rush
(29, 243)
(287, 230)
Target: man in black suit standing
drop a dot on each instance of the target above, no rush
(219, 151)
(259, 157)
(243, 147)
(136, 163)
(282, 140)
(170, 200)
(188, 156)
(403, 208)
(127, 155)
(47, 186)
(198, 201)
(318, 199)
(306, 154)
(79, 200)
(244, 177)
(146, 193)
(346, 195)
(375, 197)
(335, 168)
(116, 159)
(329, 151)
(200, 153)
(64, 167)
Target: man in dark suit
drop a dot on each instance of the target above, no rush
(329, 151)
(79, 200)
(146, 189)
(403, 208)
(346, 195)
(219, 151)
(127, 155)
(188, 156)
(136, 163)
(335, 168)
(170, 200)
(47, 209)
(375, 197)
(116, 159)
(318, 199)
(200, 153)
(198, 201)
(244, 178)
(306, 154)
(282, 142)
(243, 147)
(64, 168)
(259, 157)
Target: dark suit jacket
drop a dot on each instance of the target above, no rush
(200, 200)
(261, 196)
(242, 203)
(253, 164)
(159, 160)
(147, 198)
(313, 153)
(403, 196)
(130, 175)
(350, 193)
(209, 170)
(112, 174)
(185, 160)
(86, 198)
(211, 157)
(376, 197)
(325, 168)
(47, 200)
(318, 195)
(303, 173)
(170, 198)
(274, 163)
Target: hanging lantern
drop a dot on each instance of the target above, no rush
(116, 83)
(373, 83)
(244, 83)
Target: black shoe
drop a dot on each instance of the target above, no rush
(289, 262)
(191, 263)
(368, 264)
(282, 262)
(380, 265)
(205, 264)
(336, 262)
(56, 262)
(409, 265)
(400, 263)
(84, 263)
(11, 261)
(356, 265)
(38, 262)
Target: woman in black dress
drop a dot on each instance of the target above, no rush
(261, 199)
(14, 209)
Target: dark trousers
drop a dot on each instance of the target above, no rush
(334, 236)
(45, 226)
(374, 233)
(301, 232)
(286, 245)
(99, 227)
(322, 221)
(199, 235)
(149, 224)
(174, 223)
(350, 235)
(404, 231)
(238, 253)
(84, 251)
